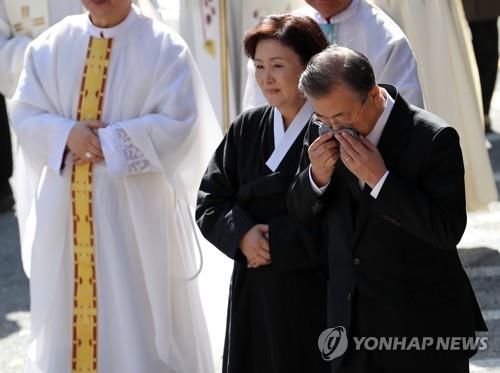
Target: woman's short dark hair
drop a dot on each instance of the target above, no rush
(300, 33)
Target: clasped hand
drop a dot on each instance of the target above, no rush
(361, 157)
(84, 144)
(255, 246)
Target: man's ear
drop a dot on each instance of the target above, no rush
(374, 92)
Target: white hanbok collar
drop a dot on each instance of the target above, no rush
(284, 140)
(111, 32)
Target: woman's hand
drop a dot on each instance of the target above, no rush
(255, 246)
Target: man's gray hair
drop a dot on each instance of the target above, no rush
(335, 66)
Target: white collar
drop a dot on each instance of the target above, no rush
(111, 32)
(347, 13)
(376, 132)
(283, 140)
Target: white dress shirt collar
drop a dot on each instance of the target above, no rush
(376, 132)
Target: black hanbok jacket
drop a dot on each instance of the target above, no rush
(276, 312)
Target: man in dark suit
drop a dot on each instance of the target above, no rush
(392, 205)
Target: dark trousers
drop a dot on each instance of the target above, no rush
(485, 42)
(5, 145)
(387, 361)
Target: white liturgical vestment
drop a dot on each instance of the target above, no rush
(161, 132)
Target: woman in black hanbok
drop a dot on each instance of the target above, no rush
(277, 304)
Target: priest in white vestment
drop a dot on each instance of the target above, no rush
(20, 22)
(360, 26)
(115, 97)
(440, 37)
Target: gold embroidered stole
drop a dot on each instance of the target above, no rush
(84, 357)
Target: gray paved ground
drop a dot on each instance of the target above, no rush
(14, 301)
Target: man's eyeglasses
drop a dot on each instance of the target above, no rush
(322, 121)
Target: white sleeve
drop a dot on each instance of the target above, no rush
(177, 133)
(12, 49)
(130, 147)
(253, 96)
(154, 141)
(399, 68)
(319, 191)
(378, 187)
(42, 134)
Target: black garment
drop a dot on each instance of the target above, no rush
(477, 10)
(485, 42)
(276, 312)
(5, 145)
(6, 199)
(396, 271)
(412, 361)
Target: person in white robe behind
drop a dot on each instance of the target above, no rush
(450, 82)
(17, 32)
(15, 35)
(146, 150)
(360, 26)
